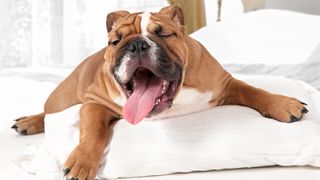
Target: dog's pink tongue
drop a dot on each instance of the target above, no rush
(143, 98)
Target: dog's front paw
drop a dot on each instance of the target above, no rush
(285, 109)
(82, 163)
(29, 125)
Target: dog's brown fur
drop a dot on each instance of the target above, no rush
(92, 85)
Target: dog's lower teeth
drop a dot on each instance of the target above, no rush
(165, 83)
(163, 90)
(164, 86)
(158, 101)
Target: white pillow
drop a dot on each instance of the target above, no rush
(219, 138)
(262, 37)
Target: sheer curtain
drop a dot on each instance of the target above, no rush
(58, 33)
(15, 36)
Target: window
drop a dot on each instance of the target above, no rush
(59, 32)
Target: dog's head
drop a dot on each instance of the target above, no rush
(146, 57)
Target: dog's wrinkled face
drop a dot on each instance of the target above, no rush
(146, 57)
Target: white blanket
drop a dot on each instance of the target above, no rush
(220, 138)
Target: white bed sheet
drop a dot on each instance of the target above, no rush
(16, 101)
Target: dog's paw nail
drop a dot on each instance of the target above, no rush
(14, 127)
(266, 115)
(304, 110)
(304, 103)
(24, 132)
(293, 118)
(73, 178)
(66, 171)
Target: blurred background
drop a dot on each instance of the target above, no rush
(61, 33)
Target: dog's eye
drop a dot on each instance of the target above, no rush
(115, 41)
(162, 33)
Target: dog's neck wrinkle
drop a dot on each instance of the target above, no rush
(203, 70)
(193, 61)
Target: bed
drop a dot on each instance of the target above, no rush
(257, 43)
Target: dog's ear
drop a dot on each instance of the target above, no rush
(114, 17)
(175, 13)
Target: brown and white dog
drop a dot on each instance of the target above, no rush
(149, 66)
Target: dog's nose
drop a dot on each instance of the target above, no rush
(138, 45)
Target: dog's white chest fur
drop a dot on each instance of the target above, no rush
(120, 100)
(188, 101)
(192, 96)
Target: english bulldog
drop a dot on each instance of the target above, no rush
(149, 66)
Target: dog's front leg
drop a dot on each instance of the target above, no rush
(83, 162)
(281, 108)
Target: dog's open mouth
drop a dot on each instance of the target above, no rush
(147, 94)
